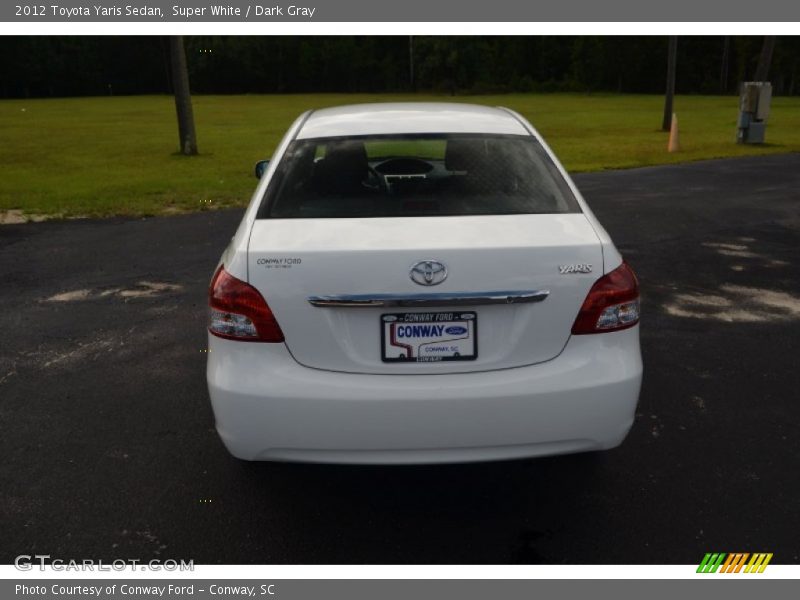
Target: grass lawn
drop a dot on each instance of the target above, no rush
(104, 156)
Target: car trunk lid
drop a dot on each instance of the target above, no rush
(296, 262)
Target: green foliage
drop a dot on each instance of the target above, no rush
(104, 156)
(57, 66)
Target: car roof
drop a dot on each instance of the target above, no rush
(410, 117)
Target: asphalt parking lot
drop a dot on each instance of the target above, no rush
(108, 449)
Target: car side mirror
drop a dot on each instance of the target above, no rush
(261, 168)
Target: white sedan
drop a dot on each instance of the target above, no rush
(420, 283)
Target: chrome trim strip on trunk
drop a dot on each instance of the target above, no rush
(441, 299)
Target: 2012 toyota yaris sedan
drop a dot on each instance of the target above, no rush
(419, 283)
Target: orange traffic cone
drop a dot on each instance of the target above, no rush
(674, 144)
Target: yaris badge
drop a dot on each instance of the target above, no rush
(579, 268)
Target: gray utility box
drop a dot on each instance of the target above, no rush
(754, 100)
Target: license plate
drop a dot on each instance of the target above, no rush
(429, 336)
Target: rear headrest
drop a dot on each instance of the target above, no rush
(348, 155)
(465, 154)
(344, 166)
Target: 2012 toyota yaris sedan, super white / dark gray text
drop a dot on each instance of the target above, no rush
(417, 283)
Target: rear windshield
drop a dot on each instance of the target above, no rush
(416, 176)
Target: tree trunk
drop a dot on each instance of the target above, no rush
(723, 74)
(183, 97)
(411, 81)
(672, 55)
(765, 60)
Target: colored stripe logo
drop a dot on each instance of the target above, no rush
(736, 562)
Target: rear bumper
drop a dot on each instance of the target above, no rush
(269, 407)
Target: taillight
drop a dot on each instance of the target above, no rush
(237, 311)
(612, 303)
